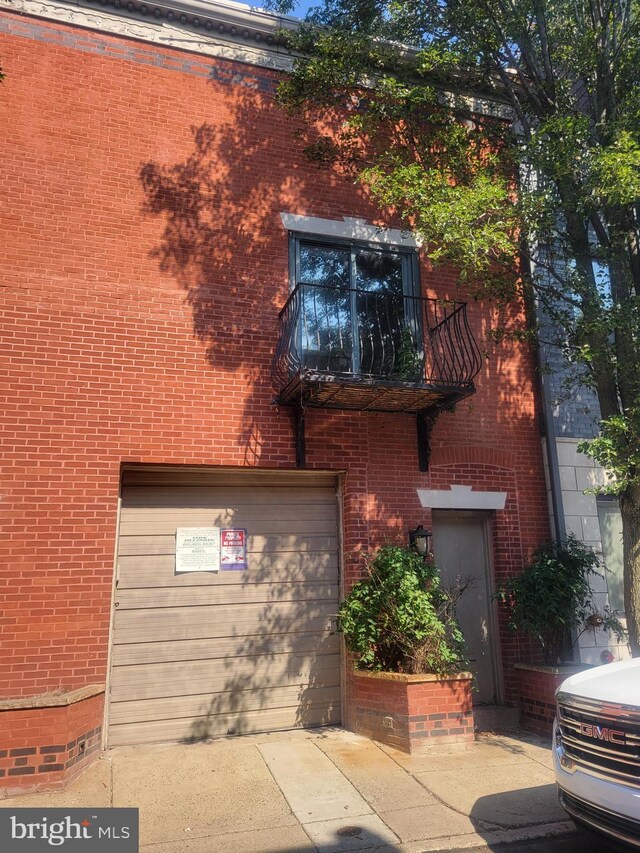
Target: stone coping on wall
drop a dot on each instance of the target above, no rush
(46, 740)
(406, 678)
(52, 700)
(565, 669)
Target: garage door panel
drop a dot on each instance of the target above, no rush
(231, 513)
(221, 647)
(197, 654)
(151, 681)
(202, 704)
(222, 595)
(157, 490)
(293, 544)
(192, 623)
(259, 526)
(158, 570)
(256, 479)
(192, 729)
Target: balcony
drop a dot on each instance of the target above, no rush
(373, 350)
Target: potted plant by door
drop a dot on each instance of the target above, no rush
(408, 685)
(551, 602)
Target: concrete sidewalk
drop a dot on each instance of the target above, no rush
(325, 790)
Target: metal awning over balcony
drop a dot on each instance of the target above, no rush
(373, 350)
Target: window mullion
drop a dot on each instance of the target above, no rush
(294, 276)
(355, 332)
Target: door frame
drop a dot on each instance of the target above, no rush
(487, 518)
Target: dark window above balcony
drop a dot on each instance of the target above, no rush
(354, 319)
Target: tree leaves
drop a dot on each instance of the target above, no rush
(553, 596)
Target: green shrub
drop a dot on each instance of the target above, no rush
(399, 618)
(552, 598)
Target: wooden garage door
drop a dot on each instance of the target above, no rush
(201, 655)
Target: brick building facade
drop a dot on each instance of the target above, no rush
(145, 171)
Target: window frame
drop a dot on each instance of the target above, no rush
(411, 285)
(608, 504)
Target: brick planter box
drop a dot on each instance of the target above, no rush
(412, 712)
(45, 741)
(537, 685)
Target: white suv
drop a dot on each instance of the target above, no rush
(596, 739)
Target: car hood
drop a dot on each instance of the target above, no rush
(612, 682)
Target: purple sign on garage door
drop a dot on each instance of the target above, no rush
(233, 549)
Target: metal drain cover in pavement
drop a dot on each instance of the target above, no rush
(349, 830)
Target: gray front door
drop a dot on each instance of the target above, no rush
(460, 548)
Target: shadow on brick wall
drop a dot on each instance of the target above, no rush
(223, 240)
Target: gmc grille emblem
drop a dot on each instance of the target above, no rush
(601, 733)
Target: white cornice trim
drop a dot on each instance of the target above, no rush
(349, 229)
(225, 30)
(480, 105)
(239, 14)
(461, 497)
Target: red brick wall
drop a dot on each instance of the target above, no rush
(143, 265)
(45, 747)
(536, 694)
(411, 713)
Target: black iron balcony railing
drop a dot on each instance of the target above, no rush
(373, 349)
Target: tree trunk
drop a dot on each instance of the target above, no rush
(630, 510)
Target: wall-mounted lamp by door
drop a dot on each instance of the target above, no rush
(419, 540)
